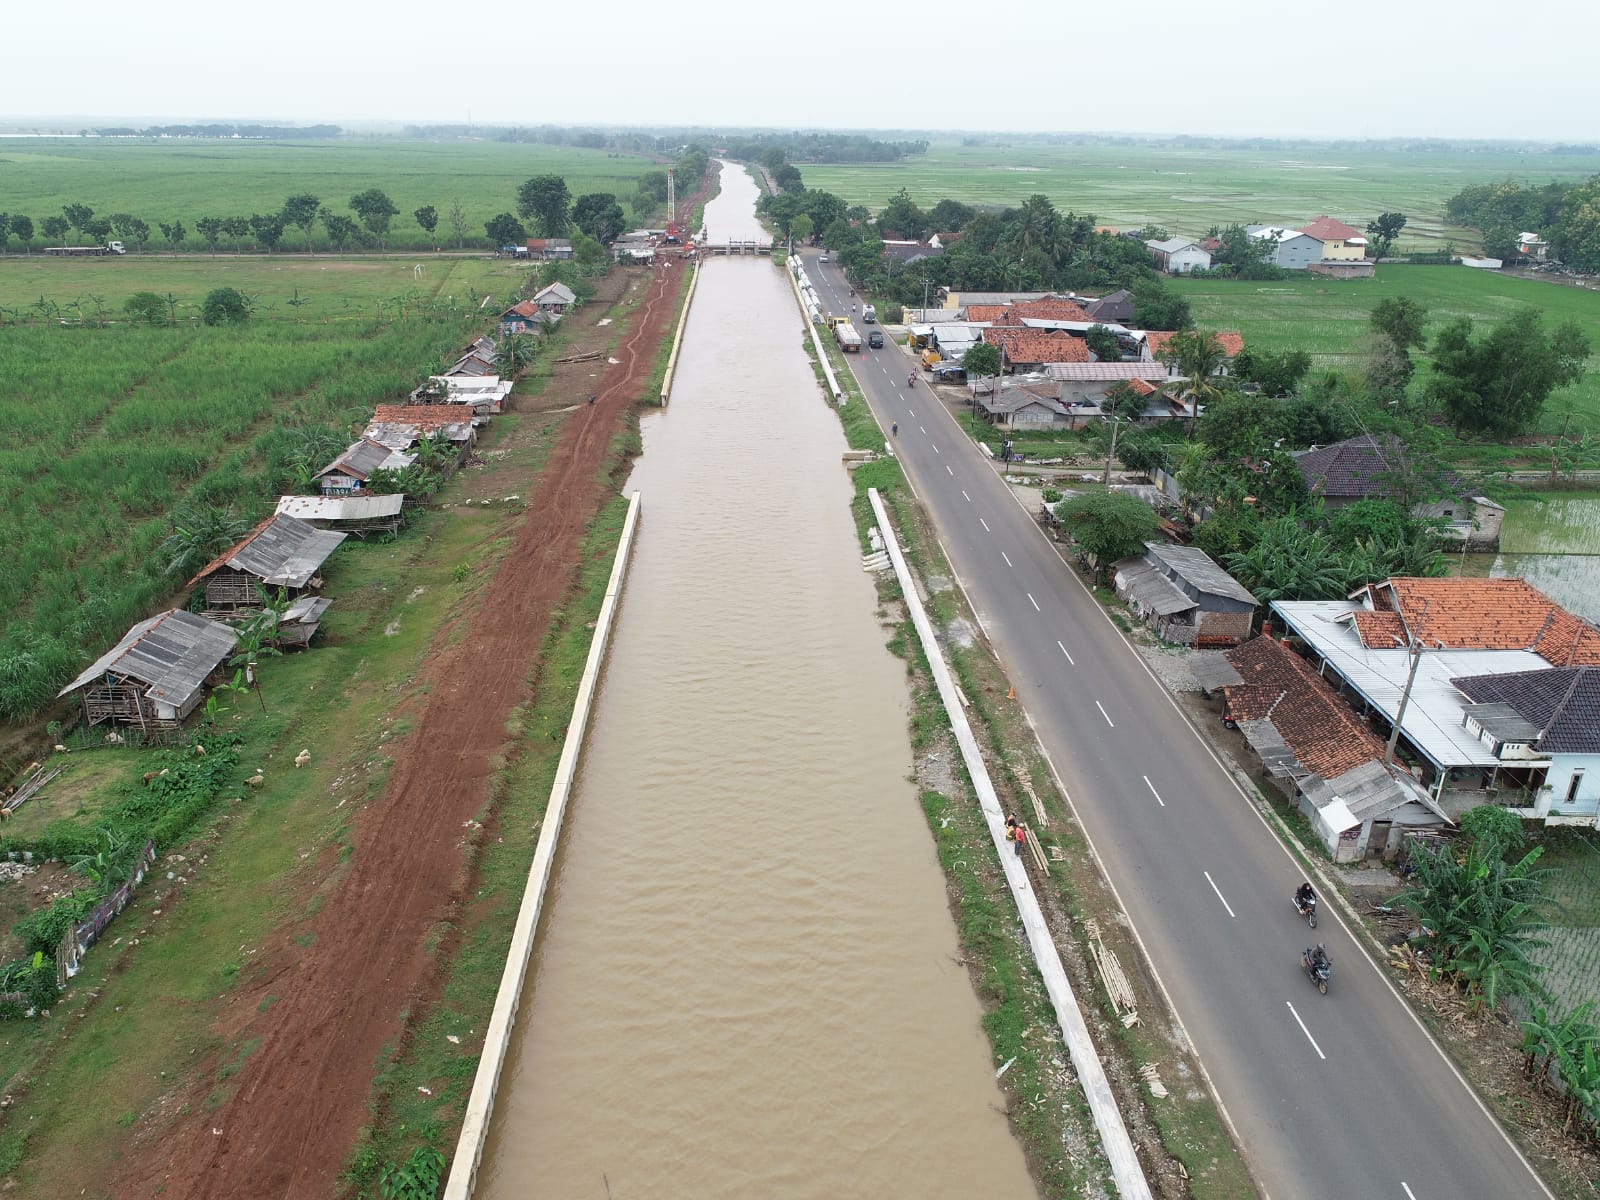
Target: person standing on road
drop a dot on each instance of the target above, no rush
(894, 429)
(1020, 836)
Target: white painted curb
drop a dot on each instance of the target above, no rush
(677, 338)
(1114, 1140)
(480, 1105)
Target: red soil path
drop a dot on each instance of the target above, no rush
(302, 1096)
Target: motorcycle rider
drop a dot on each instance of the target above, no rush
(1305, 896)
(1318, 960)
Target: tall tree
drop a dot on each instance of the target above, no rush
(376, 210)
(1103, 343)
(210, 228)
(504, 230)
(902, 218)
(1109, 525)
(303, 211)
(544, 199)
(428, 217)
(175, 233)
(340, 228)
(1382, 230)
(78, 215)
(238, 228)
(54, 228)
(1401, 320)
(458, 223)
(801, 229)
(268, 229)
(599, 215)
(22, 230)
(1499, 382)
(5, 230)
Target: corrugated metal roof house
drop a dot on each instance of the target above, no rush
(156, 674)
(281, 552)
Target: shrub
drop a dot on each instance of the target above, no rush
(224, 306)
(41, 932)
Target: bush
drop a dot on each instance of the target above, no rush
(1498, 830)
(41, 932)
(224, 306)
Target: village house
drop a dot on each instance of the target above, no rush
(403, 426)
(1418, 640)
(1084, 385)
(349, 472)
(1339, 241)
(1179, 256)
(1552, 714)
(1023, 349)
(1365, 468)
(1023, 404)
(554, 299)
(904, 253)
(1230, 341)
(477, 359)
(525, 317)
(486, 394)
(1533, 247)
(1115, 309)
(282, 554)
(1317, 750)
(156, 675)
(1291, 249)
(359, 515)
(1185, 596)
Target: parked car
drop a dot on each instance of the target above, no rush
(875, 339)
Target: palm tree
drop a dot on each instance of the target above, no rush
(1197, 356)
(199, 533)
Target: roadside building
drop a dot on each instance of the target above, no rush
(1410, 640)
(1552, 714)
(1321, 753)
(156, 675)
(554, 299)
(1084, 385)
(1023, 349)
(1340, 242)
(1231, 342)
(1023, 405)
(1185, 596)
(1115, 309)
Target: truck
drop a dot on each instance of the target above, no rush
(847, 337)
(869, 315)
(86, 251)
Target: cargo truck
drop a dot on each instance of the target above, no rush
(86, 251)
(847, 337)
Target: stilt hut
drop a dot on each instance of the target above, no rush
(155, 676)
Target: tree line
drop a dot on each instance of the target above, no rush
(1565, 214)
(546, 207)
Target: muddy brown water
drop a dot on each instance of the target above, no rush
(746, 982)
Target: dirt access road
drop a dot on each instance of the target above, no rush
(302, 1095)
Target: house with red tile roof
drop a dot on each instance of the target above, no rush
(1029, 349)
(1397, 650)
(1315, 746)
(1339, 241)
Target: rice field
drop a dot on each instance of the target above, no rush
(1328, 318)
(186, 179)
(1189, 189)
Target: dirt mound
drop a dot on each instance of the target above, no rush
(302, 1096)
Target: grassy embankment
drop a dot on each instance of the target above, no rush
(186, 179)
(1189, 189)
(1057, 1132)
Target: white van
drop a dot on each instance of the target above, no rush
(869, 315)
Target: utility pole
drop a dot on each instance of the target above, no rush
(1414, 647)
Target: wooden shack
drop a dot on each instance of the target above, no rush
(155, 676)
(282, 553)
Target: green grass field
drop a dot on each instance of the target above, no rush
(1189, 190)
(1328, 317)
(192, 178)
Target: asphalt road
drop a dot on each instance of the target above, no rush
(1336, 1096)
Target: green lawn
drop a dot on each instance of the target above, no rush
(185, 179)
(1189, 190)
(1328, 317)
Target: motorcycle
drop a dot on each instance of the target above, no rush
(911, 381)
(1318, 973)
(1308, 910)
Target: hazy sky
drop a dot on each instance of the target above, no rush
(1469, 68)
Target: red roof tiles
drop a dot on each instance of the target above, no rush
(1231, 341)
(1477, 614)
(423, 416)
(1322, 730)
(1331, 229)
(1038, 345)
